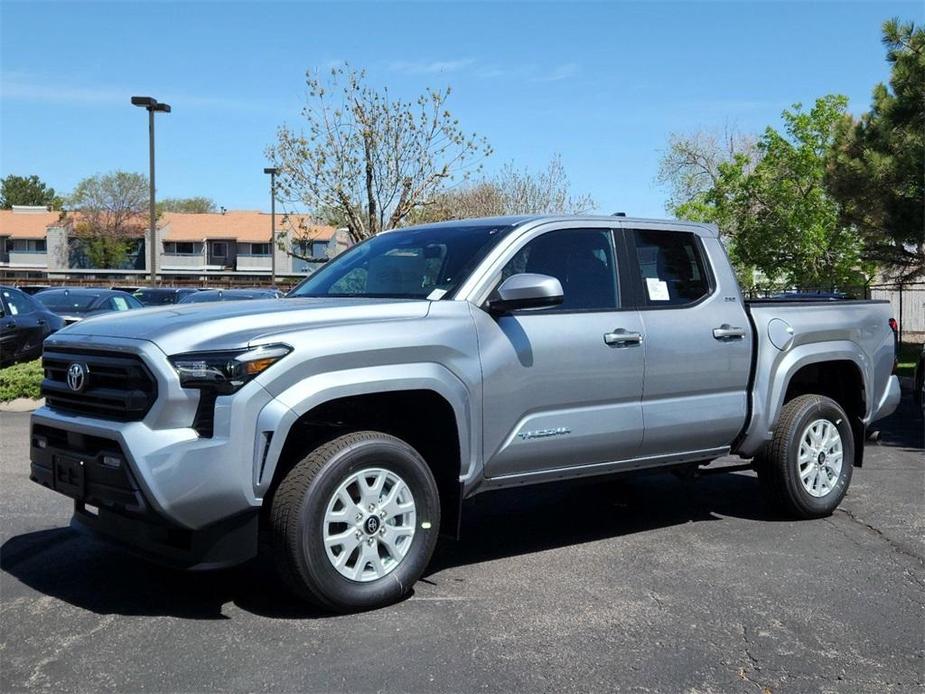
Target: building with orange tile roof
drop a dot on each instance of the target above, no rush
(36, 243)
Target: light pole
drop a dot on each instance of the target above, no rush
(272, 171)
(152, 105)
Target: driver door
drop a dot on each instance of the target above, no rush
(562, 386)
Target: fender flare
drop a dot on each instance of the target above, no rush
(288, 406)
(768, 397)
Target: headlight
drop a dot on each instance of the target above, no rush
(226, 372)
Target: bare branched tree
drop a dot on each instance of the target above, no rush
(690, 166)
(512, 191)
(369, 159)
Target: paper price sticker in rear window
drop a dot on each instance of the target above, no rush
(658, 290)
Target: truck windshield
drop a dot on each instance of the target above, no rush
(416, 263)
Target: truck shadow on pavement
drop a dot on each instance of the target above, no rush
(67, 565)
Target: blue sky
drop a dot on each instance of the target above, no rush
(603, 84)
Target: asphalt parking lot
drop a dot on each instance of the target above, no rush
(643, 584)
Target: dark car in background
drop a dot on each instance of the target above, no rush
(76, 304)
(162, 296)
(810, 296)
(32, 288)
(24, 324)
(208, 295)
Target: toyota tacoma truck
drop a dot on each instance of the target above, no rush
(340, 429)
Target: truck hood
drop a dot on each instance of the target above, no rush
(234, 324)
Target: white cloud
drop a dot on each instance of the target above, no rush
(423, 67)
(33, 88)
(560, 72)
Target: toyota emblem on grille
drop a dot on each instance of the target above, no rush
(77, 376)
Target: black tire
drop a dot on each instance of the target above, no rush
(778, 467)
(297, 521)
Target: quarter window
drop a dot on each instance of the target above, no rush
(671, 267)
(583, 262)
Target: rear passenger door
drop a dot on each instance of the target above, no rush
(698, 341)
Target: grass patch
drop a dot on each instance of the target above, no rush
(908, 357)
(21, 381)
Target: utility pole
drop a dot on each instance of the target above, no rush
(152, 105)
(272, 171)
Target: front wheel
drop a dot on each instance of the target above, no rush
(806, 469)
(355, 522)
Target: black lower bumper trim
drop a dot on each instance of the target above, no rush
(225, 543)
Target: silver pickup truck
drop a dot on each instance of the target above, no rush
(345, 424)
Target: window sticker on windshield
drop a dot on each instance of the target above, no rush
(658, 290)
(436, 295)
(120, 303)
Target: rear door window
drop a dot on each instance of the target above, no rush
(671, 268)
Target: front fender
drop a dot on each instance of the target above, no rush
(278, 418)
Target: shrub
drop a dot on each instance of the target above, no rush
(21, 381)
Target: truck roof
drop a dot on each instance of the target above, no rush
(699, 228)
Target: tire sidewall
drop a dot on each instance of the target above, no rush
(311, 556)
(823, 408)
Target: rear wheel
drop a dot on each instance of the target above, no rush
(806, 469)
(355, 522)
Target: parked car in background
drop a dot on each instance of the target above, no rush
(162, 296)
(208, 295)
(810, 296)
(127, 290)
(24, 324)
(78, 303)
(32, 288)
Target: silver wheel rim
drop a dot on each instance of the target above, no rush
(820, 457)
(369, 524)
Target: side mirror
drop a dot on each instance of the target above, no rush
(526, 290)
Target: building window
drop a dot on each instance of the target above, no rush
(254, 249)
(26, 246)
(182, 248)
(219, 249)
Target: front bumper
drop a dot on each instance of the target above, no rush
(157, 484)
(108, 501)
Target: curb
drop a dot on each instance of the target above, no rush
(21, 405)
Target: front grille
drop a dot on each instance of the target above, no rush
(118, 386)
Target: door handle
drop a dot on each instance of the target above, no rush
(622, 338)
(728, 332)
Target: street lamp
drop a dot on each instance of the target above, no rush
(152, 105)
(272, 170)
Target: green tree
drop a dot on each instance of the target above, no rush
(692, 168)
(195, 205)
(877, 169)
(369, 158)
(27, 190)
(787, 225)
(780, 224)
(110, 216)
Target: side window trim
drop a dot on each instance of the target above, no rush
(623, 280)
(643, 302)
